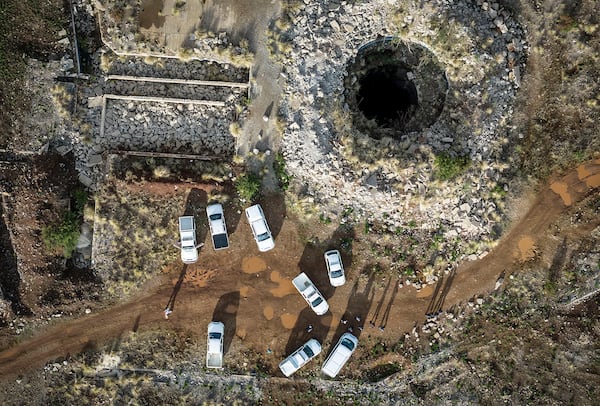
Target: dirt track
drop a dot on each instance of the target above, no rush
(254, 297)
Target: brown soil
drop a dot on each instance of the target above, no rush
(251, 290)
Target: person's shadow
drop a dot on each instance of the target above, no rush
(226, 312)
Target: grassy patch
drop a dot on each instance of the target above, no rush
(248, 186)
(282, 176)
(448, 167)
(62, 237)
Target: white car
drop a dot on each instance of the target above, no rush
(260, 228)
(340, 355)
(214, 344)
(300, 357)
(187, 239)
(335, 268)
(216, 223)
(311, 294)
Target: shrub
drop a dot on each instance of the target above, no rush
(63, 236)
(282, 176)
(448, 166)
(248, 186)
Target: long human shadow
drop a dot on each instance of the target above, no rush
(195, 205)
(375, 316)
(9, 274)
(307, 326)
(226, 312)
(388, 309)
(171, 303)
(357, 310)
(439, 295)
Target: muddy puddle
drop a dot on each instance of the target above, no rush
(288, 320)
(526, 249)
(268, 312)
(561, 189)
(285, 285)
(253, 265)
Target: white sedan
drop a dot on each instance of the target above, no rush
(260, 228)
(335, 268)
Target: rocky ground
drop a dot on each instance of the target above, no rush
(522, 100)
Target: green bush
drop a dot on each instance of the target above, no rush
(63, 236)
(448, 166)
(248, 186)
(282, 176)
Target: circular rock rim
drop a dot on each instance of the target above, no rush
(394, 87)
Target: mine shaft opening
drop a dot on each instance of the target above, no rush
(394, 88)
(387, 95)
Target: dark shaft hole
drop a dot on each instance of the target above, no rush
(387, 95)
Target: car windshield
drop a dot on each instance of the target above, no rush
(317, 302)
(308, 351)
(348, 344)
(336, 274)
(214, 336)
(264, 236)
(215, 216)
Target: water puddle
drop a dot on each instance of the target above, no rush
(268, 313)
(593, 181)
(426, 291)
(285, 285)
(288, 320)
(526, 250)
(253, 265)
(582, 172)
(561, 189)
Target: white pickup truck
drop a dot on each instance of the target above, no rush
(214, 345)
(340, 355)
(218, 229)
(300, 357)
(309, 292)
(187, 239)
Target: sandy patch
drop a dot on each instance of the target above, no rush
(268, 312)
(288, 320)
(527, 249)
(561, 189)
(253, 265)
(425, 291)
(285, 285)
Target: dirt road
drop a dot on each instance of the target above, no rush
(253, 294)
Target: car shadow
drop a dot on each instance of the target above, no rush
(195, 205)
(275, 212)
(226, 312)
(233, 212)
(359, 304)
(312, 261)
(307, 326)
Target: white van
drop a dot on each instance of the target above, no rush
(340, 355)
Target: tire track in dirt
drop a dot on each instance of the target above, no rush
(409, 306)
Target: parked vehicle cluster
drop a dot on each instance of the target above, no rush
(315, 300)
